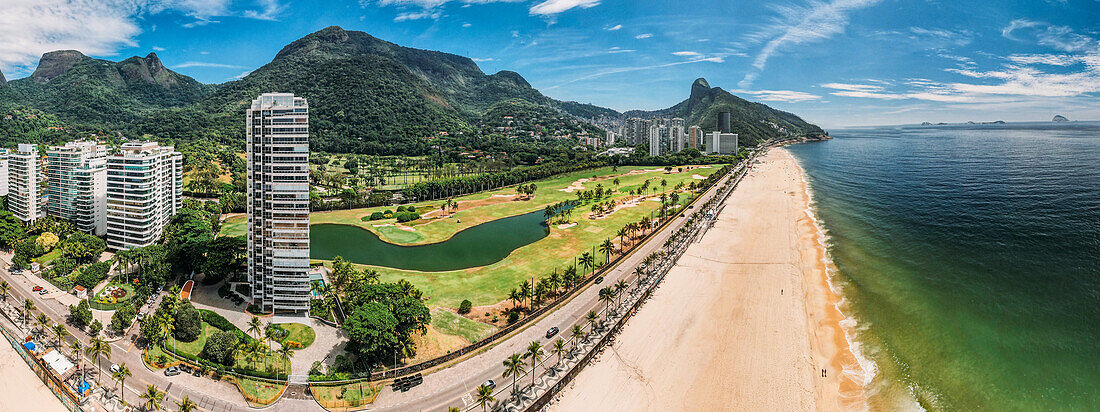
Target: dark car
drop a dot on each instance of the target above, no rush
(172, 371)
(551, 332)
(599, 279)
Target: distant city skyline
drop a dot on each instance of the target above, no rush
(835, 63)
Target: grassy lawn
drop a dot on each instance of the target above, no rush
(234, 226)
(259, 393)
(48, 258)
(449, 323)
(151, 354)
(96, 301)
(335, 397)
(272, 362)
(299, 333)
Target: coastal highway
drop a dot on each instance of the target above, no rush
(445, 388)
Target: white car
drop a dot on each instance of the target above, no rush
(114, 368)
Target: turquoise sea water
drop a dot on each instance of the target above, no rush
(969, 257)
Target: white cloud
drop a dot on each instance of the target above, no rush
(686, 53)
(417, 15)
(466, 25)
(789, 96)
(242, 75)
(1016, 25)
(618, 49)
(487, 59)
(626, 70)
(800, 25)
(615, 27)
(956, 37)
(551, 7)
(30, 28)
(643, 36)
(156, 48)
(207, 64)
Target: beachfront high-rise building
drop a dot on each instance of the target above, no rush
(722, 143)
(26, 197)
(4, 171)
(77, 190)
(144, 190)
(277, 147)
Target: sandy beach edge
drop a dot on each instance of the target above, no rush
(832, 331)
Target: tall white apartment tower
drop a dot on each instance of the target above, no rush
(277, 148)
(144, 190)
(77, 191)
(4, 171)
(26, 197)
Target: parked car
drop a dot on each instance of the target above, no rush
(37, 288)
(114, 368)
(491, 384)
(551, 332)
(43, 292)
(599, 279)
(172, 371)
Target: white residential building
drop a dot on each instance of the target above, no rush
(144, 190)
(277, 149)
(722, 143)
(654, 141)
(4, 171)
(77, 191)
(26, 197)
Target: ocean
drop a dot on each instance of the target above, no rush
(969, 259)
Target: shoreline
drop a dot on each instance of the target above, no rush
(747, 319)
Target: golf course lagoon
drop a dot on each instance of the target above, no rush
(480, 245)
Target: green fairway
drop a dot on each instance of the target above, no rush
(236, 225)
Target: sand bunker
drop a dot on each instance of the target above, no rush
(575, 186)
(566, 225)
(698, 177)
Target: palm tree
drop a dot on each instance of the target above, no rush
(42, 321)
(606, 248)
(60, 331)
(186, 405)
(534, 351)
(606, 296)
(255, 325)
(286, 352)
(587, 260)
(96, 348)
(592, 318)
(77, 349)
(153, 398)
(514, 366)
(578, 334)
(120, 376)
(525, 289)
(28, 306)
(484, 396)
(515, 297)
(620, 286)
(559, 349)
(4, 289)
(622, 237)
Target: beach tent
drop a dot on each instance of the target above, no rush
(58, 362)
(83, 387)
(29, 346)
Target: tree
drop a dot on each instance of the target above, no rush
(5, 288)
(188, 323)
(220, 347)
(587, 261)
(534, 351)
(83, 247)
(225, 256)
(607, 294)
(514, 366)
(607, 248)
(515, 297)
(578, 334)
(592, 318)
(465, 306)
(95, 327)
(60, 332)
(373, 330)
(123, 318)
(255, 325)
(287, 352)
(186, 405)
(559, 349)
(484, 397)
(11, 229)
(47, 240)
(525, 290)
(620, 287)
(120, 376)
(186, 238)
(96, 348)
(42, 321)
(28, 306)
(76, 349)
(153, 398)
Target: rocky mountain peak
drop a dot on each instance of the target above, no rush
(56, 63)
(3, 81)
(699, 89)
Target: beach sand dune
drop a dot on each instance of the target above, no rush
(745, 321)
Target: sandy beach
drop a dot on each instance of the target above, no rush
(21, 390)
(745, 321)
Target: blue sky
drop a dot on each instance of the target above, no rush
(836, 63)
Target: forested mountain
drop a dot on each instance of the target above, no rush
(81, 89)
(366, 95)
(753, 121)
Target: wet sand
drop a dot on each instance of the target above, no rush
(745, 321)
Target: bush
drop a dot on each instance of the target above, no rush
(406, 216)
(513, 316)
(377, 216)
(188, 323)
(95, 327)
(400, 209)
(46, 241)
(465, 306)
(92, 274)
(219, 348)
(123, 318)
(216, 320)
(223, 291)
